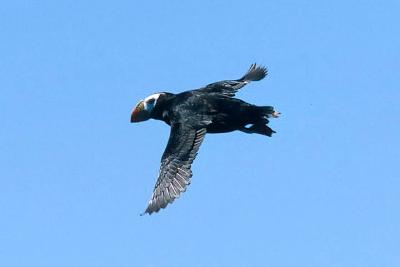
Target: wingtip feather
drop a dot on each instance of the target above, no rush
(255, 73)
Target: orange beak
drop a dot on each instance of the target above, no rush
(139, 113)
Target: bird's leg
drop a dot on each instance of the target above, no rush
(274, 114)
(259, 128)
(268, 112)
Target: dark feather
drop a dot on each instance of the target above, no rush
(255, 73)
(175, 172)
(230, 87)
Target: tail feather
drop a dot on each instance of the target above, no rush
(266, 112)
(258, 120)
(255, 73)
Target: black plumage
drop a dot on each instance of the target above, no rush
(192, 114)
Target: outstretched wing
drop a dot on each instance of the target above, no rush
(175, 172)
(230, 87)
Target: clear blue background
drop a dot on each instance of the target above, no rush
(75, 174)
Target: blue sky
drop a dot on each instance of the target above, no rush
(324, 191)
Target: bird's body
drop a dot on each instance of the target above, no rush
(219, 114)
(192, 114)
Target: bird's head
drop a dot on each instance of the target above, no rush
(144, 108)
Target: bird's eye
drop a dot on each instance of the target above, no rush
(151, 101)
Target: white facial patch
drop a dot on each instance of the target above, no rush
(155, 96)
(151, 101)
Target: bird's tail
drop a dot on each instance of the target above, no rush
(255, 73)
(266, 110)
(259, 120)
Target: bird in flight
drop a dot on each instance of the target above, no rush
(192, 114)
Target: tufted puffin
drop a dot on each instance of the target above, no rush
(192, 114)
